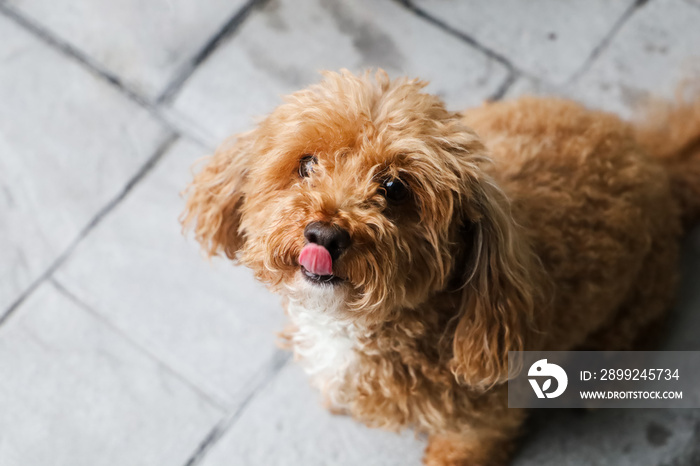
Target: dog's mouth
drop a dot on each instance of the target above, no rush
(320, 279)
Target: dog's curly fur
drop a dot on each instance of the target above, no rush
(531, 224)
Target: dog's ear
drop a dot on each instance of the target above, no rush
(498, 292)
(215, 197)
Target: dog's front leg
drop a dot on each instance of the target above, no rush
(490, 442)
(456, 449)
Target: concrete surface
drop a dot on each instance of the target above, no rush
(120, 345)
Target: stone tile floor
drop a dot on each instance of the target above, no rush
(120, 345)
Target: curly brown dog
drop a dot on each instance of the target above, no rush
(414, 247)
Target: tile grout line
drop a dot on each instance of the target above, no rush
(280, 358)
(605, 42)
(207, 50)
(211, 398)
(505, 86)
(275, 365)
(69, 51)
(96, 219)
(513, 73)
(503, 60)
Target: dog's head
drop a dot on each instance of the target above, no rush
(364, 198)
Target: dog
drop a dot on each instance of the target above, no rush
(415, 247)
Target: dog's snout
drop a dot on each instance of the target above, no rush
(332, 237)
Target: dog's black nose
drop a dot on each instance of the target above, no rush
(332, 237)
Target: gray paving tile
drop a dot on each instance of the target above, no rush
(648, 59)
(279, 50)
(285, 425)
(75, 392)
(684, 325)
(655, 51)
(545, 38)
(524, 85)
(69, 144)
(209, 320)
(145, 44)
(625, 437)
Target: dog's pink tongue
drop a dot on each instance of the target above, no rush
(316, 259)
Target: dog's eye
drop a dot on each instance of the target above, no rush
(306, 165)
(395, 190)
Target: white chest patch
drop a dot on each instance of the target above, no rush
(324, 344)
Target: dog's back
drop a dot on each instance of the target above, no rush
(602, 214)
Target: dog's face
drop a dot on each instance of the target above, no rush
(384, 183)
(376, 173)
